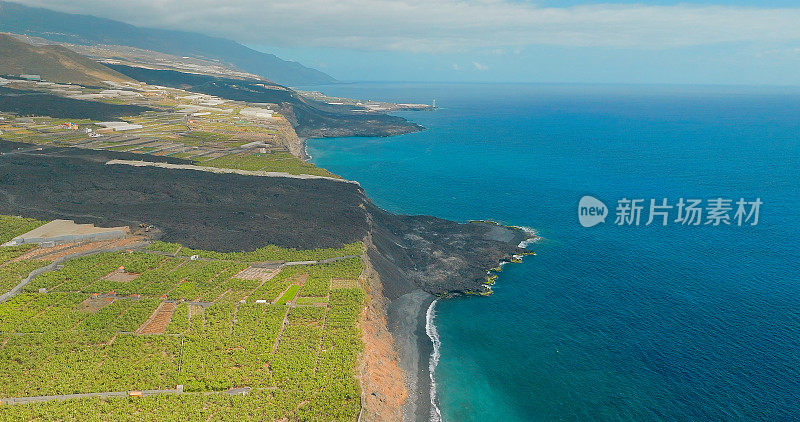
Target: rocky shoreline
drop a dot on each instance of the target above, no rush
(419, 258)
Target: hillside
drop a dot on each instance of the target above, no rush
(90, 30)
(311, 119)
(54, 63)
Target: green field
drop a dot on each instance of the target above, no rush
(11, 226)
(288, 296)
(82, 336)
(271, 161)
(267, 253)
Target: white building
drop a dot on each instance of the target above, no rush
(258, 113)
(119, 126)
(119, 93)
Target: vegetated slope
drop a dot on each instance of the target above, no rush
(54, 63)
(90, 30)
(312, 119)
(33, 103)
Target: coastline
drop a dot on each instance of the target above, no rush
(406, 320)
(433, 360)
(402, 298)
(383, 383)
(410, 320)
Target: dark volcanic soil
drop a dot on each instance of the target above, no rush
(224, 212)
(436, 255)
(33, 103)
(230, 212)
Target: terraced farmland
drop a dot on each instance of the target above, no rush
(173, 123)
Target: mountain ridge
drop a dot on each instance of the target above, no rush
(90, 30)
(53, 63)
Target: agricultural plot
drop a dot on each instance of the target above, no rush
(312, 301)
(12, 226)
(267, 253)
(183, 154)
(257, 273)
(13, 270)
(344, 283)
(159, 320)
(12, 273)
(217, 134)
(272, 161)
(288, 296)
(147, 320)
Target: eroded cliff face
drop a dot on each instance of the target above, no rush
(384, 388)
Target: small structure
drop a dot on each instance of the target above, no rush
(61, 231)
(119, 126)
(119, 93)
(258, 113)
(256, 144)
(240, 391)
(80, 96)
(213, 101)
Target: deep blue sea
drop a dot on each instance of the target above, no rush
(611, 322)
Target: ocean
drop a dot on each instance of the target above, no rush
(611, 322)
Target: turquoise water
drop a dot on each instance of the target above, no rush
(605, 323)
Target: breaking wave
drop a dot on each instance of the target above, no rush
(430, 330)
(534, 236)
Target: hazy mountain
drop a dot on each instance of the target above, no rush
(54, 63)
(91, 30)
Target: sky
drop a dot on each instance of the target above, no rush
(550, 41)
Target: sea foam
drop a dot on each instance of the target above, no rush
(433, 334)
(533, 236)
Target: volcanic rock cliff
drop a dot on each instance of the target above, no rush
(231, 212)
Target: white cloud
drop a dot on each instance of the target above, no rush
(449, 25)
